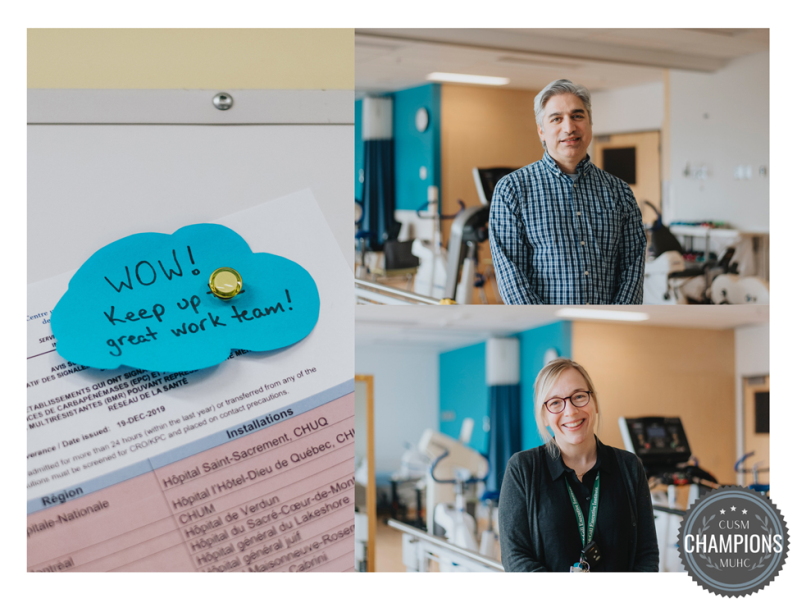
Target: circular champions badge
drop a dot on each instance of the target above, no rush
(733, 541)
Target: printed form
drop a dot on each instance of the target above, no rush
(246, 466)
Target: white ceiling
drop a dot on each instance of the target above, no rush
(442, 328)
(393, 59)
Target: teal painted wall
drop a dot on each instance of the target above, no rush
(533, 344)
(464, 391)
(359, 149)
(412, 149)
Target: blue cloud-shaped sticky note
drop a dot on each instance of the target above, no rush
(144, 302)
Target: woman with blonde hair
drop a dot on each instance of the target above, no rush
(574, 504)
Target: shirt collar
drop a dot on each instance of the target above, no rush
(583, 166)
(557, 467)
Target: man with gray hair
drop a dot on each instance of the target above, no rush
(563, 231)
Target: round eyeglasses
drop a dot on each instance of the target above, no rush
(557, 405)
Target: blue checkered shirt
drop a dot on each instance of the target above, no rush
(556, 241)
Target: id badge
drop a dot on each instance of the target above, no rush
(591, 554)
(580, 568)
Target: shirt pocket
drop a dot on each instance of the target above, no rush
(542, 229)
(607, 225)
(548, 224)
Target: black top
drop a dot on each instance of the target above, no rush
(538, 526)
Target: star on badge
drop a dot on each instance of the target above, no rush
(744, 511)
(733, 508)
(722, 511)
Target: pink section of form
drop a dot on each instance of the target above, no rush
(279, 499)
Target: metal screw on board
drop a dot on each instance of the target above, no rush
(222, 101)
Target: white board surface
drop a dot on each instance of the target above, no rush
(90, 184)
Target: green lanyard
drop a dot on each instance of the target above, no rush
(593, 511)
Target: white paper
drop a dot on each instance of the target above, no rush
(99, 423)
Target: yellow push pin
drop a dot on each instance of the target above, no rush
(225, 283)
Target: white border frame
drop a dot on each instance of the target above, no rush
(190, 107)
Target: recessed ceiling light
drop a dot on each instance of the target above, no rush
(601, 314)
(464, 78)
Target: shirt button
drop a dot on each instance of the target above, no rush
(578, 213)
(586, 273)
(587, 497)
(583, 243)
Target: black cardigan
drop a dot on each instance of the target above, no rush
(518, 504)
